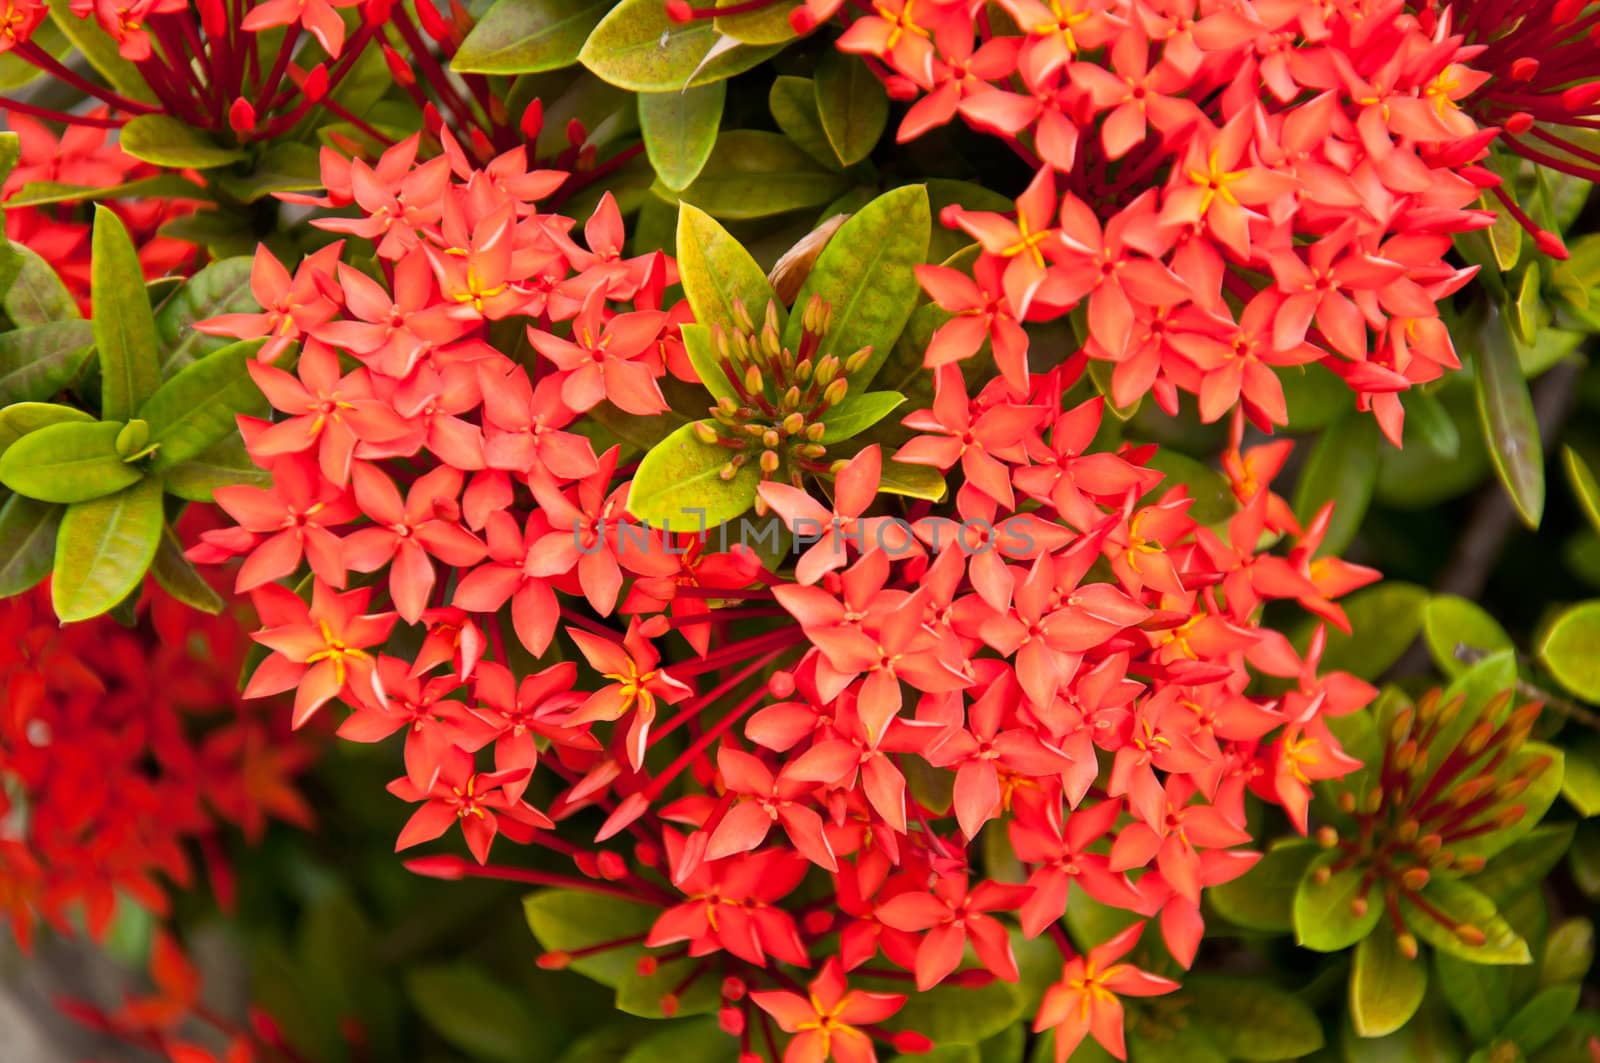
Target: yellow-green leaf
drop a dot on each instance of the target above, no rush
(39, 361)
(1452, 625)
(638, 48)
(67, 462)
(178, 577)
(124, 327)
(200, 405)
(37, 296)
(1584, 484)
(852, 106)
(680, 129)
(716, 271)
(1386, 987)
(163, 140)
(1342, 469)
(1570, 649)
(755, 174)
(104, 548)
(27, 543)
(528, 36)
(1505, 410)
(679, 484)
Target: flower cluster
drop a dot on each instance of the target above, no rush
(1063, 648)
(125, 752)
(1227, 191)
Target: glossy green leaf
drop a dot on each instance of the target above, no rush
(1505, 410)
(180, 579)
(857, 413)
(1325, 916)
(1523, 863)
(852, 105)
(1250, 1019)
(1570, 649)
(793, 102)
(867, 276)
(1568, 951)
(1580, 784)
(10, 152)
(1386, 987)
(957, 1015)
(716, 271)
(1428, 423)
(479, 1015)
(755, 174)
(1314, 395)
(913, 481)
(37, 295)
(1459, 632)
(1584, 485)
(768, 24)
(1478, 994)
(569, 920)
(680, 129)
(1526, 306)
(104, 548)
(642, 993)
(46, 193)
(163, 140)
(39, 361)
(1263, 897)
(285, 166)
(221, 464)
(1465, 905)
(124, 327)
(1213, 498)
(528, 36)
(198, 407)
(100, 49)
(27, 543)
(697, 345)
(221, 287)
(679, 484)
(19, 419)
(1538, 1021)
(638, 48)
(1384, 619)
(1342, 469)
(68, 462)
(698, 1040)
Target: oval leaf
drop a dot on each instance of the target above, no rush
(856, 413)
(37, 295)
(638, 48)
(679, 484)
(1459, 633)
(852, 105)
(528, 36)
(1342, 469)
(37, 362)
(163, 140)
(1584, 485)
(793, 102)
(716, 270)
(124, 327)
(867, 276)
(680, 129)
(27, 543)
(756, 174)
(104, 548)
(1251, 1020)
(1505, 410)
(1386, 988)
(180, 579)
(1324, 917)
(1570, 648)
(198, 407)
(1464, 905)
(707, 365)
(222, 287)
(222, 464)
(69, 462)
(1263, 897)
(21, 418)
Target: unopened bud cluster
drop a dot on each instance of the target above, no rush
(776, 420)
(1440, 785)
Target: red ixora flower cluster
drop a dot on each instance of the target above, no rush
(1230, 189)
(125, 752)
(1071, 652)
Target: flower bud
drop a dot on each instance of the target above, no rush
(1468, 934)
(1407, 943)
(815, 431)
(911, 1043)
(1358, 906)
(646, 966)
(794, 424)
(1327, 837)
(705, 433)
(1414, 878)
(731, 1020)
(834, 392)
(733, 989)
(554, 961)
(769, 462)
(752, 380)
(858, 359)
(827, 369)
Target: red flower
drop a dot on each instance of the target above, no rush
(318, 650)
(480, 801)
(1084, 1003)
(827, 1023)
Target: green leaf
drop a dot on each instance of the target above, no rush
(1342, 469)
(1430, 424)
(1524, 862)
(638, 48)
(1568, 952)
(178, 577)
(27, 543)
(1584, 485)
(1526, 305)
(716, 270)
(765, 25)
(1314, 395)
(68, 462)
(163, 140)
(222, 464)
(479, 1015)
(100, 49)
(1251, 1020)
(866, 274)
(37, 296)
(698, 1040)
(679, 484)
(856, 413)
(956, 1015)
(1213, 498)
(1570, 649)
(104, 548)
(18, 419)
(198, 407)
(528, 36)
(1464, 905)
(1384, 619)
(166, 185)
(1452, 625)
(852, 105)
(39, 361)
(285, 166)
(1479, 995)
(642, 994)
(1580, 783)
(756, 174)
(1505, 410)
(793, 102)
(124, 328)
(1386, 988)
(680, 129)
(707, 364)
(10, 152)
(1263, 897)
(912, 481)
(1538, 1021)
(222, 287)
(1323, 916)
